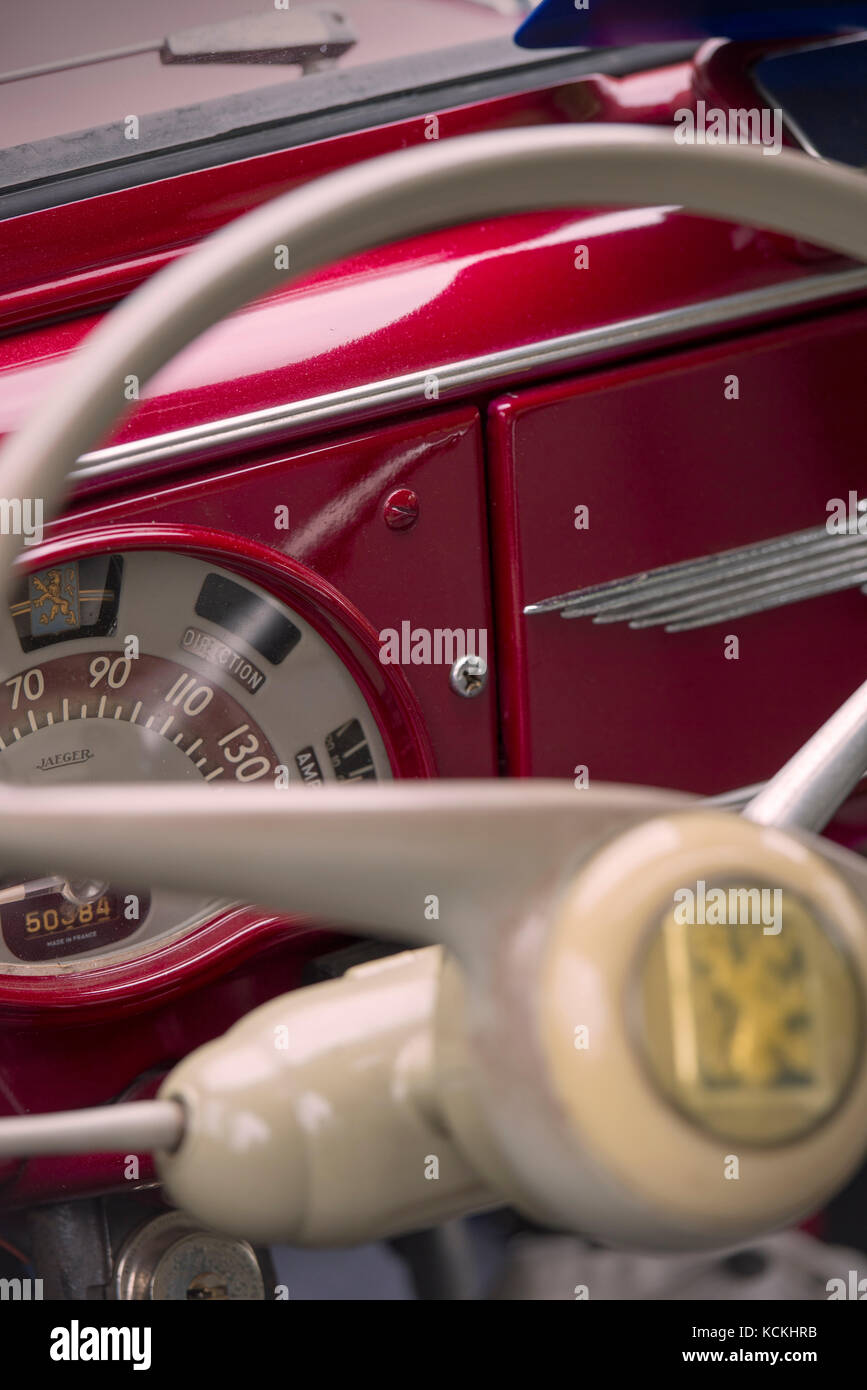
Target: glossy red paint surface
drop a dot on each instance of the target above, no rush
(85, 254)
(115, 234)
(439, 300)
(667, 475)
(670, 471)
(431, 300)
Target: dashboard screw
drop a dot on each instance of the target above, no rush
(469, 676)
(401, 509)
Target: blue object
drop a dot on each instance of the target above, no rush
(615, 23)
(822, 92)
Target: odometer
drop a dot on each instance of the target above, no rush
(154, 665)
(50, 926)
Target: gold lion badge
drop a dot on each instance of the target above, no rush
(59, 593)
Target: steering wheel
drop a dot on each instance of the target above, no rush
(560, 1052)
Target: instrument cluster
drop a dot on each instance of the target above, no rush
(144, 665)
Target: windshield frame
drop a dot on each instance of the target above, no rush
(68, 168)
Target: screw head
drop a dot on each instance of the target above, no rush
(401, 509)
(469, 676)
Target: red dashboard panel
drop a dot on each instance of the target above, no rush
(672, 470)
(432, 574)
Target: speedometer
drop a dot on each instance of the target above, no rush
(142, 665)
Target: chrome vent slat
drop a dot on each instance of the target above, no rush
(718, 563)
(671, 592)
(730, 584)
(797, 594)
(771, 582)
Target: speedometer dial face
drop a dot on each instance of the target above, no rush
(152, 665)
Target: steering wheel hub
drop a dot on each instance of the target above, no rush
(678, 1040)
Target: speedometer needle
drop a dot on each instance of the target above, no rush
(74, 890)
(30, 888)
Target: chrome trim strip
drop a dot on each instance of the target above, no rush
(378, 397)
(730, 584)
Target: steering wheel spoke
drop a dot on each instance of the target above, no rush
(369, 858)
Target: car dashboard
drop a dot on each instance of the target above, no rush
(441, 511)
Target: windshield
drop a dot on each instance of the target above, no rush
(43, 32)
